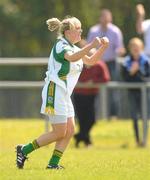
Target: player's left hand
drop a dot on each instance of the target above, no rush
(96, 42)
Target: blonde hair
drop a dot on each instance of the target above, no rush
(136, 41)
(69, 23)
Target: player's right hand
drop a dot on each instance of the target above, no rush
(104, 41)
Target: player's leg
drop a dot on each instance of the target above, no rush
(61, 145)
(58, 132)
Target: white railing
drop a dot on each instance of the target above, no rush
(23, 61)
(21, 84)
(103, 87)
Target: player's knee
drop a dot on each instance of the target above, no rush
(61, 134)
(71, 131)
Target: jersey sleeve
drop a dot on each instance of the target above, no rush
(62, 48)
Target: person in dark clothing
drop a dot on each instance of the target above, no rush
(84, 99)
(136, 68)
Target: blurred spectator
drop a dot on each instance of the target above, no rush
(143, 27)
(116, 48)
(136, 68)
(84, 99)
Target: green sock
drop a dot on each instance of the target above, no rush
(30, 147)
(55, 157)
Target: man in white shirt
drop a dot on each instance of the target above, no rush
(143, 27)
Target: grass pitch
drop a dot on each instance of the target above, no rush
(114, 155)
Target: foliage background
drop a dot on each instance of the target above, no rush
(23, 31)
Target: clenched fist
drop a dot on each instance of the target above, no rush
(96, 42)
(104, 41)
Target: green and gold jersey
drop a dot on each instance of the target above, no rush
(60, 70)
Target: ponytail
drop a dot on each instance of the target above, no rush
(53, 24)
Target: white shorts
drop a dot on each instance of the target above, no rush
(56, 102)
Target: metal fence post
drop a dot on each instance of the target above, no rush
(103, 97)
(144, 114)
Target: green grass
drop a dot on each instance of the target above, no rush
(114, 155)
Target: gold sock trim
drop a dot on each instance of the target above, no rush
(57, 153)
(35, 144)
